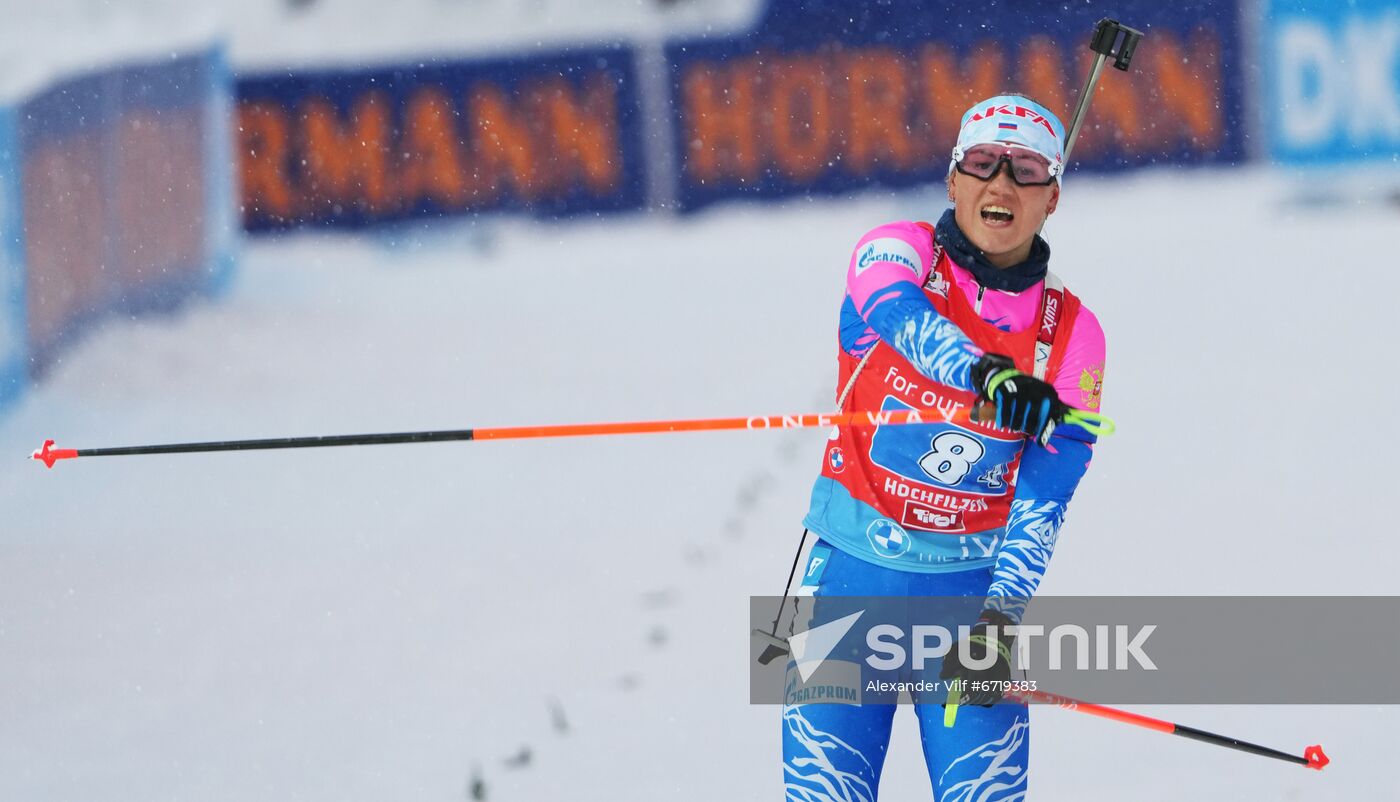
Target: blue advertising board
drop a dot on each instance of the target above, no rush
(1332, 81)
(115, 181)
(12, 347)
(825, 96)
(221, 224)
(350, 148)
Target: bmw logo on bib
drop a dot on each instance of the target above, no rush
(837, 459)
(887, 538)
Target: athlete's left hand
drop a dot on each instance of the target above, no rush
(982, 686)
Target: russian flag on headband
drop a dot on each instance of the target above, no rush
(1007, 126)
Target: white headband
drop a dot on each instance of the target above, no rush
(1013, 120)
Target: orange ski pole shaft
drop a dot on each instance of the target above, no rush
(1312, 757)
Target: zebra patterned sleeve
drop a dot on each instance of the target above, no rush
(1047, 482)
(1024, 555)
(931, 342)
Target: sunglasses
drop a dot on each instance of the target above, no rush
(1026, 167)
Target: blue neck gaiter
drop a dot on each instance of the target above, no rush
(1016, 278)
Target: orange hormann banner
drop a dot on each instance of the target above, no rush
(820, 97)
(864, 111)
(824, 98)
(353, 149)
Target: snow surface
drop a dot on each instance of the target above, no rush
(385, 623)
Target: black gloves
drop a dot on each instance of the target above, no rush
(1021, 402)
(982, 686)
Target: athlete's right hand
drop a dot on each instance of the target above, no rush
(1015, 400)
(983, 687)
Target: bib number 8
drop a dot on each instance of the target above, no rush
(952, 456)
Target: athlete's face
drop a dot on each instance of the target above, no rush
(1000, 216)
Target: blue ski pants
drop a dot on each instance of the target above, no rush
(835, 751)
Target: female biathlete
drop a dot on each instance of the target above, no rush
(956, 316)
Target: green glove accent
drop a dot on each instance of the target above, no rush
(950, 708)
(1001, 647)
(997, 378)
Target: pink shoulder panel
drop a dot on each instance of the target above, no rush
(1080, 379)
(891, 253)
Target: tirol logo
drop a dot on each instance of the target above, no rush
(888, 539)
(1015, 111)
(836, 458)
(932, 519)
(887, 249)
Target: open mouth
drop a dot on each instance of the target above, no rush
(997, 215)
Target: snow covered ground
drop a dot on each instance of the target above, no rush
(388, 622)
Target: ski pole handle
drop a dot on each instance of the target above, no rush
(950, 707)
(1113, 38)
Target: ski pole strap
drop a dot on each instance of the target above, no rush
(1094, 423)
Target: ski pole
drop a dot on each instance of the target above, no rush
(1111, 39)
(49, 455)
(1313, 757)
(774, 646)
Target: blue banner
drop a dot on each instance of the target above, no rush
(115, 187)
(942, 455)
(1332, 81)
(826, 96)
(351, 148)
(12, 347)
